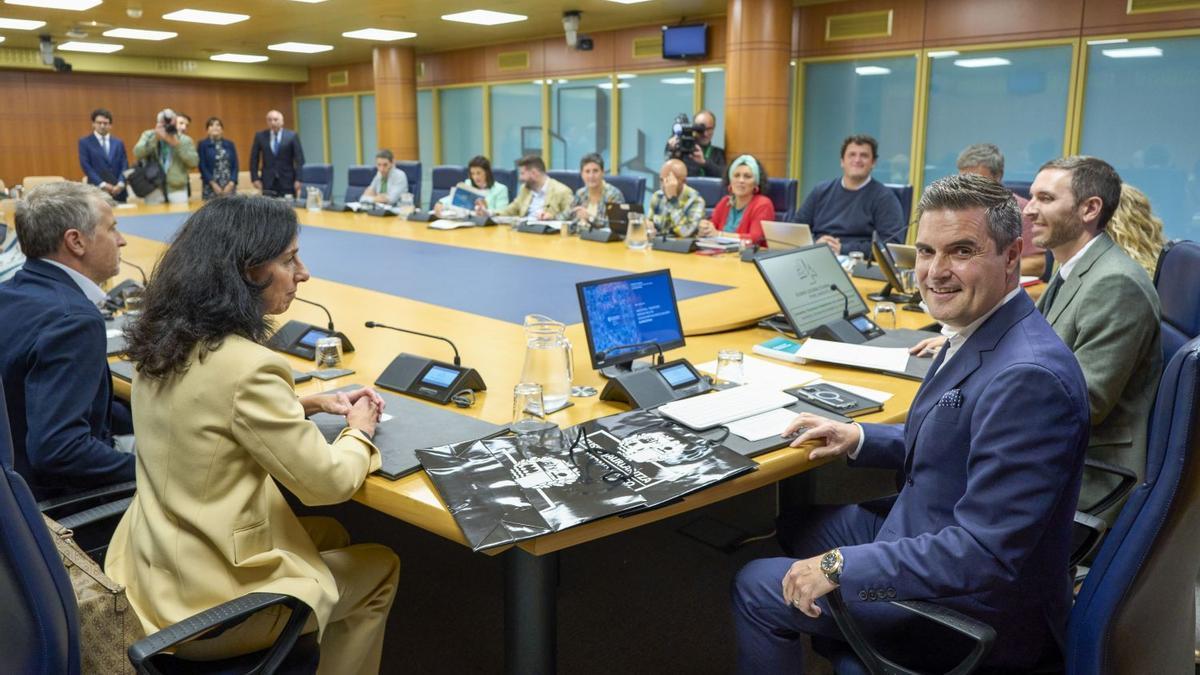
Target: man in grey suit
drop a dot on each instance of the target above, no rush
(1103, 306)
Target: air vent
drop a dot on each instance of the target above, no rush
(512, 60)
(174, 65)
(338, 78)
(858, 25)
(1150, 6)
(420, 70)
(20, 57)
(647, 47)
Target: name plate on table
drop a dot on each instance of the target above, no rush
(407, 426)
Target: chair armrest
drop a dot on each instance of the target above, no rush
(1128, 481)
(228, 614)
(60, 507)
(983, 635)
(96, 514)
(1086, 534)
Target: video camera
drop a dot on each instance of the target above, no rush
(688, 135)
(167, 117)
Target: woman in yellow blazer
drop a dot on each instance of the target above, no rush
(218, 423)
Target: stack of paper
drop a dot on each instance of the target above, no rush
(891, 359)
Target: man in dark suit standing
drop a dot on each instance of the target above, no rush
(102, 156)
(991, 455)
(276, 158)
(53, 343)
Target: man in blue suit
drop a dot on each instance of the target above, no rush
(102, 156)
(991, 456)
(52, 343)
(276, 158)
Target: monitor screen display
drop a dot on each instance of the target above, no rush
(685, 42)
(678, 375)
(439, 376)
(800, 280)
(637, 309)
(310, 338)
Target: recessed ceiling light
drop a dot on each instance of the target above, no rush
(299, 47)
(484, 17)
(718, 69)
(942, 54)
(985, 62)
(678, 80)
(379, 34)
(628, 2)
(1132, 53)
(310, 2)
(2, 38)
(205, 16)
(872, 70)
(76, 5)
(238, 58)
(21, 24)
(626, 76)
(139, 34)
(93, 47)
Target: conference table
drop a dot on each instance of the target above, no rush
(474, 286)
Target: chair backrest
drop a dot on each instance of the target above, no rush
(245, 186)
(358, 179)
(319, 176)
(1177, 279)
(710, 188)
(904, 193)
(29, 182)
(571, 179)
(782, 192)
(507, 177)
(412, 171)
(39, 625)
(1019, 187)
(1136, 610)
(444, 179)
(633, 188)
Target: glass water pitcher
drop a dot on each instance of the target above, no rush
(548, 360)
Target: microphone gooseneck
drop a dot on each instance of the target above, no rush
(323, 307)
(376, 324)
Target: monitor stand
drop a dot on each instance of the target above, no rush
(890, 294)
(612, 372)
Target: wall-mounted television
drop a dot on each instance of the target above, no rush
(685, 42)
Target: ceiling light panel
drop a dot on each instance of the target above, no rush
(139, 34)
(986, 62)
(1132, 53)
(238, 58)
(300, 47)
(484, 17)
(21, 24)
(74, 5)
(379, 34)
(205, 16)
(90, 47)
(873, 70)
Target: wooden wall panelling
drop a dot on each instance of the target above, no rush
(460, 65)
(564, 61)
(908, 25)
(1109, 16)
(362, 78)
(958, 22)
(537, 60)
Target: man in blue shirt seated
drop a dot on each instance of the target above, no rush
(846, 211)
(53, 343)
(991, 457)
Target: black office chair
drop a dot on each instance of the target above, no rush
(904, 193)
(1019, 187)
(571, 179)
(633, 188)
(507, 177)
(444, 179)
(319, 176)
(782, 193)
(39, 627)
(412, 171)
(358, 179)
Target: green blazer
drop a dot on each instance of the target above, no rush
(183, 158)
(1107, 312)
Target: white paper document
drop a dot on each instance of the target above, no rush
(893, 359)
(777, 376)
(772, 423)
(112, 332)
(447, 224)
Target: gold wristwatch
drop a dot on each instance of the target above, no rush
(831, 565)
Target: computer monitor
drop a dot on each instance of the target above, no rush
(626, 317)
(800, 280)
(894, 287)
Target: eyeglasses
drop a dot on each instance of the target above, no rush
(612, 460)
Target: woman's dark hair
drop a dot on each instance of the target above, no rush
(200, 291)
(762, 177)
(483, 163)
(591, 158)
(210, 121)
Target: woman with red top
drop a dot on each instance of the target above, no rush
(741, 212)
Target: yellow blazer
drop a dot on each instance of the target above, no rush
(558, 200)
(208, 523)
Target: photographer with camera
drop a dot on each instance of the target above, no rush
(692, 144)
(174, 152)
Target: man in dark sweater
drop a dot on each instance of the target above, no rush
(846, 211)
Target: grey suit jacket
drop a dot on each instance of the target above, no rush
(1107, 312)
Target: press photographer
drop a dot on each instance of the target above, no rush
(174, 152)
(692, 143)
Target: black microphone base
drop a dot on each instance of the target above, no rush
(685, 245)
(424, 378)
(610, 372)
(602, 235)
(288, 339)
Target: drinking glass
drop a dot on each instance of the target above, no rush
(857, 258)
(406, 206)
(314, 199)
(730, 366)
(635, 234)
(133, 301)
(888, 310)
(527, 417)
(328, 352)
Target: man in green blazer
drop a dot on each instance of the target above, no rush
(1103, 306)
(175, 151)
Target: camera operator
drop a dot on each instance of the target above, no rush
(174, 151)
(693, 145)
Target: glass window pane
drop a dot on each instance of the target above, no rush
(1139, 115)
(516, 123)
(649, 104)
(366, 117)
(579, 121)
(714, 99)
(1016, 99)
(341, 140)
(863, 96)
(425, 131)
(311, 128)
(462, 124)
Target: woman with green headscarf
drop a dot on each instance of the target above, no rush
(741, 212)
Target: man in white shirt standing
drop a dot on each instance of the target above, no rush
(389, 182)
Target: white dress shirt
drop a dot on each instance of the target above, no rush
(1064, 270)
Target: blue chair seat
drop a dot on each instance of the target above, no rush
(358, 179)
(319, 176)
(444, 179)
(1177, 279)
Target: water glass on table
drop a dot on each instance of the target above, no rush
(730, 366)
(527, 415)
(885, 315)
(635, 233)
(327, 353)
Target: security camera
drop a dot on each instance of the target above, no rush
(571, 27)
(46, 49)
(133, 12)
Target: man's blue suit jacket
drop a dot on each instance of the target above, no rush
(58, 386)
(278, 172)
(992, 454)
(100, 168)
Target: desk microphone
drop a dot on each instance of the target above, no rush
(323, 308)
(602, 354)
(845, 300)
(139, 269)
(376, 324)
